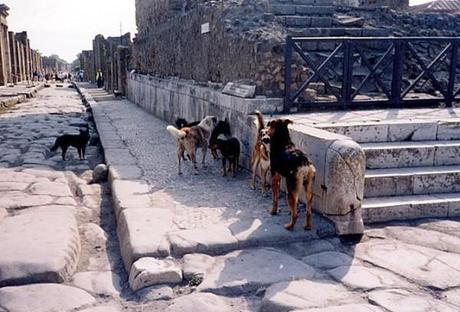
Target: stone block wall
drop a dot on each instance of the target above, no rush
(178, 48)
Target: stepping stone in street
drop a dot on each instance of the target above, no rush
(398, 300)
(42, 245)
(43, 298)
(305, 294)
(360, 277)
(427, 267)
(201, 302)
(346, 308)
(248, 270)
(329, 260)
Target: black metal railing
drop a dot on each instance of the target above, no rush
(385, 62)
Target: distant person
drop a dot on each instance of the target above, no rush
(99, 79)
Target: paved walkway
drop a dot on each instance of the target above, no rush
(197, 201)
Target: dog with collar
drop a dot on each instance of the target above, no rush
(189, 139)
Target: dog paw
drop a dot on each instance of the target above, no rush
(307, 227)
(289, 227)
(273, 212)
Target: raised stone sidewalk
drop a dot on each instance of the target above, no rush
(161, 214)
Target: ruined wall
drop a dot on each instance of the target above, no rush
(227, 53)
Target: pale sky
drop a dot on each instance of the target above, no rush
(65, 27)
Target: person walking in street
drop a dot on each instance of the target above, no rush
(99, 79)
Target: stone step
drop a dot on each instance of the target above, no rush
(304, 10)
(383, 209)
(404, 130)
(338, 32)
(304, 2)
(412, 181)
(411, 154)
(305, 21)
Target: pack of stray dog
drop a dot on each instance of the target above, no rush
(274, 151)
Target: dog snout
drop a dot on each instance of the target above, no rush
(266, 140)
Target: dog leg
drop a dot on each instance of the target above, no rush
(204, 150)
(224, 167)
(309, 197)
(64, 150)
(83, 150)
(180, 154)
(263, 178)
(193, 157)
(255, 163)
(276, 181)
(235, 167)
(293, 187)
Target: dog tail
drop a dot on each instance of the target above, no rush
(260, 121)
(178, 134)
(55, 146)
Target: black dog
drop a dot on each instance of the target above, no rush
(222, 128)
(230, 149)
(79, 141)
(182, 123)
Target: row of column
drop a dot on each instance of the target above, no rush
(18, 62)
(110, 56)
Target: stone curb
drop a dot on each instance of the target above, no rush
(144, 221)
(13, 100)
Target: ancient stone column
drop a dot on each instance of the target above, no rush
(124, 54)
(15, 73)
(5, 66)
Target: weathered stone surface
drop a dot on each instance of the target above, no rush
(3, 213)
(150, 271)
(43, 298)
(42, 245)
(195, 265)
(124, 172)
(346, 308)
(303, 294)
(142, 233)
(396, 300)
(360, 277)
(17, 200)
(50, 188)
(100, 283)
(250, 269)
(426, 267)
(94, 232)
(202, 302)
(452, 296)
(425, 238)
(253, 233)
(329, 260)
(105, 308)
(240, 90)
(130, 195)
(214, 239)
(100, 173)
(159, 292)
(13, 186)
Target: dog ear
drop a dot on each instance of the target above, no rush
(287, 122)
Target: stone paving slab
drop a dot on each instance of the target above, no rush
(246, 270)
(43, 298)
(38, 246)
(303, 294)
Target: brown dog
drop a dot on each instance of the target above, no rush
(190, 139)
(261, 154)
(291, 163)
